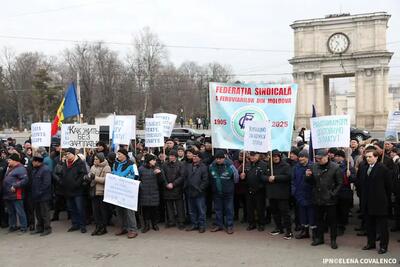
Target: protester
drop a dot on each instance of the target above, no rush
(41, 195)
(326, 179)
(223, 178)
(74, 170)
(16, 178)
(100, 208)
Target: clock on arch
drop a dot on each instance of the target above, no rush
(338, 43)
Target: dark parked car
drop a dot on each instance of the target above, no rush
(184, 134)
(359, 134)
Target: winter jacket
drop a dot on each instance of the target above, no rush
(345, 191)
(57, 174)
(196, 179)
(301, 190)
(173, 172)
(124, 169)
(41, 184)
(72, 178)
(16, 177)
(326, 181)
(99, 172)
(149, 193)
(256, 175)
(280, 187)
(223, 177)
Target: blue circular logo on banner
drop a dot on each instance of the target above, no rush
(247, 113)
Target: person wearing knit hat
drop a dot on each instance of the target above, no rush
(41, 177)
(278, 192)
(97, 174)
(14, 182)
(150, 177)
(303, 194)
(196, 177)
(173, 191)
(125, 168)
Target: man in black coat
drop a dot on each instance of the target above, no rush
(74, 170)
(326, 179)
(278, 193)
(376, 191)
(41, 195)
(255, 175)
(196, 182)
(173, 190)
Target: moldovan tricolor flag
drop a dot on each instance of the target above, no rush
(69, 107)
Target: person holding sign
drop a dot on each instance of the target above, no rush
(124, 167)
(223, 178)
(150, 177)
(255, 175)
(278, 192)
(326, 178)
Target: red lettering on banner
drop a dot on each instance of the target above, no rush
(274, 91)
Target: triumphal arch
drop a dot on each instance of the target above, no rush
(343, 45)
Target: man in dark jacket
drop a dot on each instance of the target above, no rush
(74, 169)
(302, 192)
(196, 182)
(223, 178)
(14, 182)
(376, 191)
(326, 178)
(173, 191)
(41, 195)
(278, 193)
(255, 175)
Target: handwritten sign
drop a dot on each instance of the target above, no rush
(124, 129)
(154, 132)
(257, 136)
(79, 135)
(41, 134)
(330, 131)
(121, 191)
(168, 122)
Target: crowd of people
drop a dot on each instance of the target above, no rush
(303, 194)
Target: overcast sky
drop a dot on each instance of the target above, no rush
(246, 24)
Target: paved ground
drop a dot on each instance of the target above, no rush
(171, 247)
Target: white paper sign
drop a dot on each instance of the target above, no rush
(393, 125)
(79, 135)
(330, 131)
(257, 136)
(168, 122)
(121, 191)
(124, 129)
(154, 132)
(307, 134)
(41, 134)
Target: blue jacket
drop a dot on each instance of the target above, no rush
(41, 184)
(301, 190)
(16, 177)
(124, 169)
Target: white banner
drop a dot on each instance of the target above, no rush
(168, 122)
(79, 135)
(154, 134)
(124, 129)
(257, 136)
(41, 134)
(330, 131)
(120, 191)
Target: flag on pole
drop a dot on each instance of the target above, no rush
(69, 107)
(310, 145)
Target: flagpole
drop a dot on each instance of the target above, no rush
(78, 92)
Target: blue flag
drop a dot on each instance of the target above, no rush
(310, 146)
(71, 106)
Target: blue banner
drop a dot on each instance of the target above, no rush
(231, 105)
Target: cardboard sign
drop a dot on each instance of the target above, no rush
(121, 191)
(257, 136)
(41, 134)
(79, 135)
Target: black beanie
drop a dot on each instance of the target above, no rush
(14, 157)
